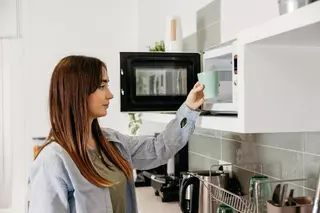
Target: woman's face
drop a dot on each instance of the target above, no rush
(98, 101)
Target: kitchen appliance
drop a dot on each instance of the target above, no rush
(161, 81)
(195, 194)
(156, 81)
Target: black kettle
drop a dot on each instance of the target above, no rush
(189, 193)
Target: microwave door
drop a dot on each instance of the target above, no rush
(156, 81)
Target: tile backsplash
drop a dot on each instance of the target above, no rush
(208, 29)
(278, 155)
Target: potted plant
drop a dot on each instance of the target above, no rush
(159, 46)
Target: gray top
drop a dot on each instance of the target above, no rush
(117, 191)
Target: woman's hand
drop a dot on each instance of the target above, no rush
(195, 97)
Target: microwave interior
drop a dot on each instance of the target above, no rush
(156, 81)
(225, 65)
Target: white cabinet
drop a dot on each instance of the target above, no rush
(8, 18)
(278, 77)
(279, 73)
(238, 15)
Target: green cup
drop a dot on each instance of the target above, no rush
(210, 80)
(264, 193)
(224, 209)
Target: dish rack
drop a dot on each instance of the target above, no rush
(238, 203)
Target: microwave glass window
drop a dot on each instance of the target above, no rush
(161, 81)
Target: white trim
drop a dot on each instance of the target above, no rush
(218, 52)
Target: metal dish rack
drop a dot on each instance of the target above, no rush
(238, 203)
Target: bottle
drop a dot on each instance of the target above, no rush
(173, 41)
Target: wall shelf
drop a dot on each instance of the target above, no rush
(299, 28)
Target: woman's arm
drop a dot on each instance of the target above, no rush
(49, 192)
(150, 152)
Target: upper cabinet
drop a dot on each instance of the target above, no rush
(8, 18)
(278, 73)
(236, 15)
(271, 75)
(221, 20)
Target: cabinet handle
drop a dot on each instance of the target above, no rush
(122, 92)
(121, 71)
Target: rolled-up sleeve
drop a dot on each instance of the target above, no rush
(48, 190)
(149, 152)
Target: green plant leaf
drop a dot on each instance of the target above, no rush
(134, 130)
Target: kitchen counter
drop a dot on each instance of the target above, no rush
(148, 202)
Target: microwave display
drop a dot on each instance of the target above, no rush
(154, 81)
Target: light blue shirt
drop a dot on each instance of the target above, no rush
(57, 185)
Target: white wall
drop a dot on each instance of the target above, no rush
(152, 21)
(97, 28)
(16, 165)
(5, 134)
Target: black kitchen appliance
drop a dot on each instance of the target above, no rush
(156, 81)
(163, 180)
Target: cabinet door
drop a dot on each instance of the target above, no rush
(238, 15)
(8, 18)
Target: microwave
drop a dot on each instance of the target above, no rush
(156, 81)
(161, 81)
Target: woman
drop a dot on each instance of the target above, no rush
(84, 169)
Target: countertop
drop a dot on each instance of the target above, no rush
(148, 202)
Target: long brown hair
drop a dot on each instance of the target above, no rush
(73, 80)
